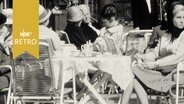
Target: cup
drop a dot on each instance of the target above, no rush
(87, 49)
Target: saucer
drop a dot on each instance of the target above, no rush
(93, 54)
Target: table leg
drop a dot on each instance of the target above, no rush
(96, 85)
(74, 86)
(62, 87)
(86, 82)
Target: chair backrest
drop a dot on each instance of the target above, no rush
(134, 36)
(33, 76)
(64, 36)
(111, 45)
(50, 43)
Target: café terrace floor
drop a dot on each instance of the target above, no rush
(113, 99)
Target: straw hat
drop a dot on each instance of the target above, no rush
(74, 14)
(44, 14)
(9, 14)
(3, 18)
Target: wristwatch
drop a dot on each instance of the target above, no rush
(156, 64)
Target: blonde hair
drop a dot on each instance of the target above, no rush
(177, 9)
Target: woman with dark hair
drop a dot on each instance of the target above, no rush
(161, 29)
(154, 69)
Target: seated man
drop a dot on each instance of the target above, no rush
(44, 31)
(8, 12)
(4, 73)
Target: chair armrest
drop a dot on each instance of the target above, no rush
(63, 33)
(174, 73)
(10, 68)
(6, 66)
(135, 32)
(180, 69)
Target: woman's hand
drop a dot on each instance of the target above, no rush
(149, 65)
(139, 56)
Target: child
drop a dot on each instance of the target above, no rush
(111, 29)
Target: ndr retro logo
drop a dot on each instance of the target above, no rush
(25, 39)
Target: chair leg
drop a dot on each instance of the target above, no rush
(74, 87)
(158, 100)
(8, 96)
(95, 76)
(4, 96)
(167, 100)
(93, 80)
(113, 88)
(104, 77)
(110, 90)
(101, 100)
(150, 99)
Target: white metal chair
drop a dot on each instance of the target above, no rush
(107, 44)
(130, 38)
(7, 90)
(32, 78)
(62, 91)
(133, 36)
(177, 91)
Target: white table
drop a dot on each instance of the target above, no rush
(117, 66)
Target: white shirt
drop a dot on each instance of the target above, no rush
(116, 33)
(149, 5)
(46, 33)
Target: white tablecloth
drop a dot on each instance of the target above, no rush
(117, 66)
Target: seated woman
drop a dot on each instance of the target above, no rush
(73, 28)
(151, 69)
(89, 30)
